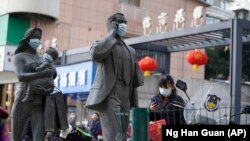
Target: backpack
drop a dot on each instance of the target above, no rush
(79, 134)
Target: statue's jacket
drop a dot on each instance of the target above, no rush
(104, 54)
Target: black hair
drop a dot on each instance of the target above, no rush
(52, 52)
(166, 79)
(97, 113)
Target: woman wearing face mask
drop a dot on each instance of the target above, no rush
(167, 104)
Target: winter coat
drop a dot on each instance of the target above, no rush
(171, 110)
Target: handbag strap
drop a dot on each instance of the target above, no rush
(56, 90)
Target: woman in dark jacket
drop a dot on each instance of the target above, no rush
(167, 104)
(94, 125)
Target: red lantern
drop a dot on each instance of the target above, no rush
(196, 58)
(147, 64)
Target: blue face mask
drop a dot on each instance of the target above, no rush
(122, 29)
(34, 43)
(47, 57)
(165, 92)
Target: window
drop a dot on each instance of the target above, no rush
(210, 2)
(132, 2)
(228, 5)
(217, 3)
(224, 4)
(212, 20)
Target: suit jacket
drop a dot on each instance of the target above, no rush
(104, 53)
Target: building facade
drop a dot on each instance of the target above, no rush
(73, 25)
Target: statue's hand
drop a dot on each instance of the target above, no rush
(113, 28)
(31, 66)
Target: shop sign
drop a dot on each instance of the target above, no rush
(178, 23)
(7, 58)
(74, 78)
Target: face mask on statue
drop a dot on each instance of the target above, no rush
(34, 43)
(122, 29)
(165, 92)
(47, 57)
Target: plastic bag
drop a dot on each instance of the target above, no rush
(155, 130)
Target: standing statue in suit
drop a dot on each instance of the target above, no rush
(117, 77)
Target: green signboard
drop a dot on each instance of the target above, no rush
(12, 29)
(3, 29)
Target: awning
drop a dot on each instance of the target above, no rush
(212, 35)
(234, 33)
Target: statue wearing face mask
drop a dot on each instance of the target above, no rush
(167, 104)
(117, 77)
(43, 85)
(122, 29)
(25, 57)
(36, 81)
(34, 43)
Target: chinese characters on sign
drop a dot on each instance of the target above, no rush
(6, 58)
(179, 21)
(162, 26)
(71, 79)
(197, 15)
(147, 24)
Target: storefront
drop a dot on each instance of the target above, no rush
(75, 81)
(8, 78)
(76, 78)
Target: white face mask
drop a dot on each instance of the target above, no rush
(122, 29)
(165, 92)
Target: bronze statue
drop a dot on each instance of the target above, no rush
(44, 85)
(117, 77)
(26, 55)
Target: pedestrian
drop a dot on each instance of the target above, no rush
(117, 77)
(167, 104)
(4, 136)
(94, 125)
(72, 119)
(25, 56)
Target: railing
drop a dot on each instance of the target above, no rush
(181, 116)
(201, 116)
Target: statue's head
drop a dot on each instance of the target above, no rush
(118, 18)
(52, 52)
(31, 33)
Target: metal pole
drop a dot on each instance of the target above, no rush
(236, 69)
(167, 63)
(140, 119)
